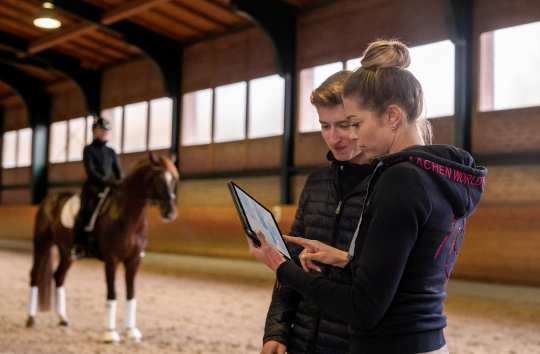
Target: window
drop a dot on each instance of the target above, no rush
(197, 117)
(24, 147)
(114, 116)
(266, 106)
(230, 115)
(353, 64)
(310, 79)
(58, 142)
(160, 123)
(433, 66)
(76, 140)
(9, 148)
(89, 135)
(135, 126)
(510, 75)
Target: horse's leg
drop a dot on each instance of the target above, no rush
(59, 277)
(39, 276)
(131, 266)
(111, 335)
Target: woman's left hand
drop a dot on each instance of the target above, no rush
(266, 253)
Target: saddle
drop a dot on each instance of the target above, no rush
(71, 208)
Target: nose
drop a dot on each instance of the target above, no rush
(334, 135)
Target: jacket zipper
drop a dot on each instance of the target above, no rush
(366, 201)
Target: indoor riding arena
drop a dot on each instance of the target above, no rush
(123, 122)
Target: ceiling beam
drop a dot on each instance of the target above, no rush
(88, 81)
(129, 9)
(68, 34)
(108, 17)
(164, 52)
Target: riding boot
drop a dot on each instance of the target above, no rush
(79, 242)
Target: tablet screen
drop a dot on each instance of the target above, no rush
(261, 219)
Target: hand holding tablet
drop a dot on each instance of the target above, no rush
(255, 217)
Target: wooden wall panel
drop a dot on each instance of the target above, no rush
(215, 193)
(74, 171)
(500, 243)
(134, 81)
(512, 185)
(196, 159)
(15, 115)
(16, 176)
(256, 154)
(231, 156)
(298, 183)
(231, 58)
(16, 197)
(310, 150)
(342, 30)
(16, 222)
(67, 101)
(507, 131)
(264, 153)
(493, 14)
(67, 172)
(443, 130)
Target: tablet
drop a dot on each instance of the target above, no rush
(255, 217)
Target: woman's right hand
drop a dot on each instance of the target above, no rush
(315, 250)
(273, 347)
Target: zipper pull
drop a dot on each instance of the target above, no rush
(338, 209)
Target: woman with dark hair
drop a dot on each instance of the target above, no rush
(411, 226)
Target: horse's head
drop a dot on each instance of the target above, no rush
(162, 180)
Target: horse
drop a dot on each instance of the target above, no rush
(121, 235)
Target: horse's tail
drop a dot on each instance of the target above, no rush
(42, 268)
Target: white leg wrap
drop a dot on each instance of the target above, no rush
(61, 302)
(111, 314)
(33, 301)
(131, 308)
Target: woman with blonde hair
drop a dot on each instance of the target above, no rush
(411, 226)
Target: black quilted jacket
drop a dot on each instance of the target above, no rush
(328, 211)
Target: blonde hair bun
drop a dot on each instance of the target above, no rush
(386, 53)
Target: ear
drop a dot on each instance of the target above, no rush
(394, 116)
(154, 159)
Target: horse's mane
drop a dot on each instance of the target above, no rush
(145, 164)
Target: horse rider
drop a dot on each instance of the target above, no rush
(102, 173)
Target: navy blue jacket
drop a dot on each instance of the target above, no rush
(406, 244)
(101, 165)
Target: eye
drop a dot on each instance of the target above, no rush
(344, 125)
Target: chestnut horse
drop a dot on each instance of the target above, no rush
(121, 234)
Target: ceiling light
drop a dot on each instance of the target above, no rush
(46, 18)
